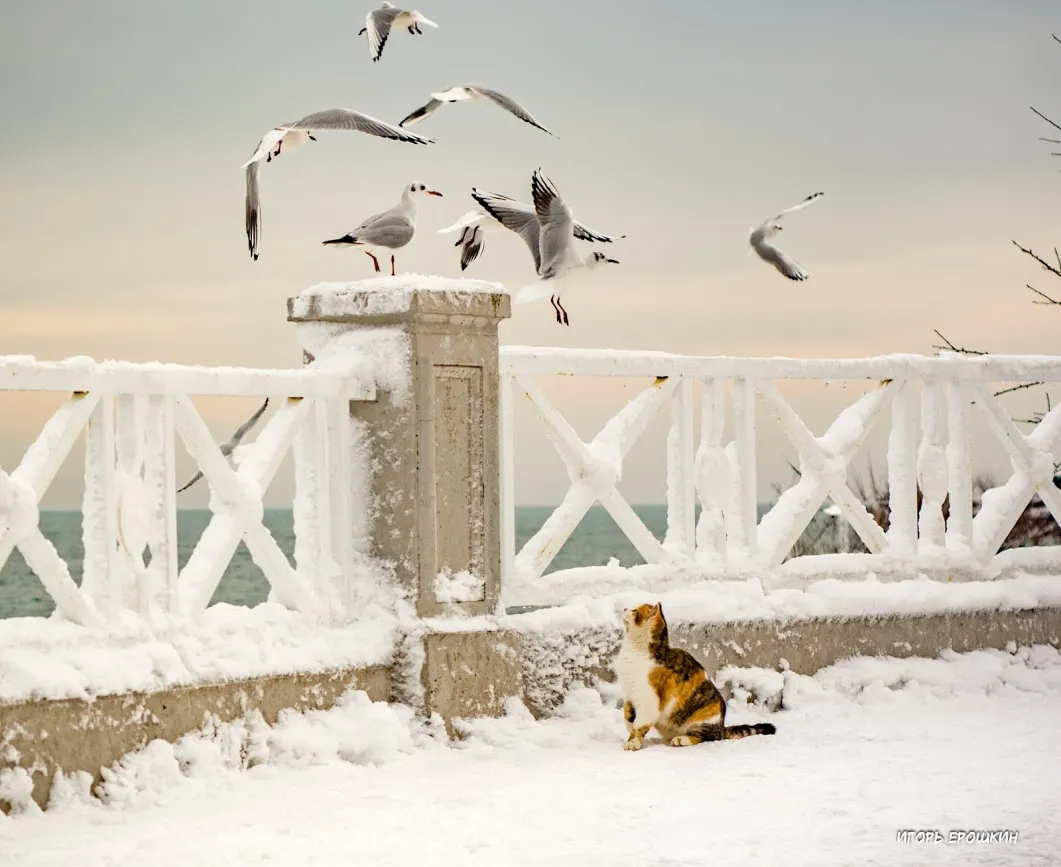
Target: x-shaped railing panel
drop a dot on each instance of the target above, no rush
(594, 469)
(20, 497)
(238, 514)
(824, 463)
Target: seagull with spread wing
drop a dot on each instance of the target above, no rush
(228, 448)
(289, 136)
(550, 237)
(507, 214)
(380, 22)
(770, 254)
(473, 92)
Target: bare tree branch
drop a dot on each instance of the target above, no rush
(1020, 387)
(1048, 300)
(1044, 117)
(950, 347)
(1041, 261)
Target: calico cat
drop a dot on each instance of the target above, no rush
(666, 688)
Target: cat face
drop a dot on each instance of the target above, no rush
(645, 618)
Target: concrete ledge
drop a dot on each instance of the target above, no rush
(470, 674)
(556, 659)
(87, 735)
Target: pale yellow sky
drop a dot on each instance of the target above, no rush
(121, 214)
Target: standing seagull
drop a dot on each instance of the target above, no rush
(507, 214)
(289, 136)
(391, 229)
(472, 92)
(379, 22)
(551, 241)
(228, 448)
(771, 254)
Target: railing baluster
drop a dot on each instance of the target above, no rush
(506, 432)
(744, 528)
(681, 492)
(959, 468)
(932, 465)
(98, 509)
(902, 473)
(713, 478)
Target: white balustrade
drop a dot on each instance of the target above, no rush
(132, 415)
(933, 401)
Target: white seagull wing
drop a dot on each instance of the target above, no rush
(557, 226)
(252, 208)
(800, 205)
(378, 25)
(420, 113)
(514, 216)
(241, 431)
(780, 260)
(469, 219)
(509, 105)
(355, 121)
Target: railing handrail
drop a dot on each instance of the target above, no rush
(82, 374)
(558, 361)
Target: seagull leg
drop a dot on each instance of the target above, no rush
(375, 261)
(392, 265)
(412, 30)
(552, 300)
(417, 26)
(562, 310)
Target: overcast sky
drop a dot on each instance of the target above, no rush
(121, 214)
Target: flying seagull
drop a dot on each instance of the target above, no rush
(550, 237)
(472, 92)
(380, 22)
(289, 136)
(230, 446)
(771, 254)
(507, 214)
(392, 229)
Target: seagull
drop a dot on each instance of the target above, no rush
(392, 229)
(771, 254)
(289, 136)
(507, 214)
(228, 448)
(379, 22)
(551, 238)
(472, 92)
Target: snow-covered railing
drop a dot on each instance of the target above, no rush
(131, 415)
(931, 399)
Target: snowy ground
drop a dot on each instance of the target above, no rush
(864, 749)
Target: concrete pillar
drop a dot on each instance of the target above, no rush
(435, 485)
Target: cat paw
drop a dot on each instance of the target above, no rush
(632, 745)
(682, 741)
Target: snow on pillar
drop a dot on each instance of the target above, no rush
(432, 433)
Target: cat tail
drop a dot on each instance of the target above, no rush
(733, 733)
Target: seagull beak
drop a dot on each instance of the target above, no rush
(433, 193)
(613, 261)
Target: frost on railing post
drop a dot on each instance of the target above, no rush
(932, 464)
(431, 441)
(713, 477)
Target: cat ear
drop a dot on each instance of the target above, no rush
(659, 609)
